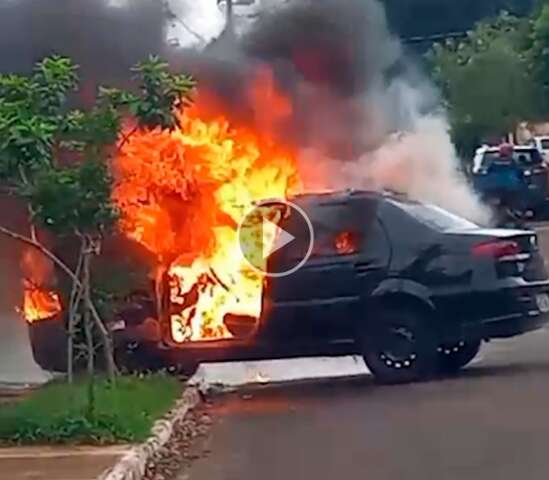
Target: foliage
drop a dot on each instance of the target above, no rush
(37, 126)
(74, 199)
(56, 158)
(57, 413)
(31, 114)
(487, 79)
(540, 51)
(160, 92)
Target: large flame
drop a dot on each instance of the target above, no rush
(183, 194)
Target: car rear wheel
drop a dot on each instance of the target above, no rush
(399, 347)
(452, 358)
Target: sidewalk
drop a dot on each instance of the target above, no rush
(57, 463)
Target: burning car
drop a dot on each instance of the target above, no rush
(411, 287)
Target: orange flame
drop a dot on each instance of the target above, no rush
(39, 304)
(39, 301)
(183, 194)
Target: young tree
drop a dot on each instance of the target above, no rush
(487, 80)
(56, 159)
(540, 51)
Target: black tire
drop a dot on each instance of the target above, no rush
(452, 358)
(399, 346)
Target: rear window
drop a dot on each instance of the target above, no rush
(434, 217)
(522, 157)
(528, 157)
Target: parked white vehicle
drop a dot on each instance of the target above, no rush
(542, 143)
(526, 156)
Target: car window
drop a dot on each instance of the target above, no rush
(435, 217)
(522, 157)
(545, 144)
(339, 230)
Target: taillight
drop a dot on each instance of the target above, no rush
(496, 249)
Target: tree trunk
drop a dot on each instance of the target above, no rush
(159, 290)
(105, 335)
(74, 305)
(88, 331)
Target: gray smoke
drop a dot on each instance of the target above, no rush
(363, 115)
(103, 36)
(359, 105)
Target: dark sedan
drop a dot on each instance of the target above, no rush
(411, 287)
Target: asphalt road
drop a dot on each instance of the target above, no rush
(490, 422)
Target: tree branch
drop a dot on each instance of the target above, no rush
(104, 332)
(126, 138)
(33, 243)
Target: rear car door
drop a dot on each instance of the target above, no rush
(320, 300)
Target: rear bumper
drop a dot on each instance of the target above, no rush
(522, 314)
(505, 327)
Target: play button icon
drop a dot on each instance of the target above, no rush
(276, 238)
(282, 237)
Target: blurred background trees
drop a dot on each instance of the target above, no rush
(495, 77)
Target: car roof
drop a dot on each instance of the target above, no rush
(524, 148)
(342, 196)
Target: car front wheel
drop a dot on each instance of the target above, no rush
(399, 346)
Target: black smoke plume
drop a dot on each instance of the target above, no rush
(104, 40)
(333, 58)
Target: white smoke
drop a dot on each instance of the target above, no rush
(423, 163)
(419, 160)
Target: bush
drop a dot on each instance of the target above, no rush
(57, 413)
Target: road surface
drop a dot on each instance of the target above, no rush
(489, 423)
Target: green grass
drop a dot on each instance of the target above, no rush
(58, 413)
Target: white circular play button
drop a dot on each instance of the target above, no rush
(276, 238)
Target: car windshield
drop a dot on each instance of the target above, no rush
(435, 217)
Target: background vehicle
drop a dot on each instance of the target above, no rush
(542, 144)
(519, 182)
(413, 288)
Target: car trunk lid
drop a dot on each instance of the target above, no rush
(515, 253)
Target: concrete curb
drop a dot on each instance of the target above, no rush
(133, 464)
(221, 377)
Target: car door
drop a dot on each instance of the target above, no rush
(320, 299)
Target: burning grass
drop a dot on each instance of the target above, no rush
(57, 413)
